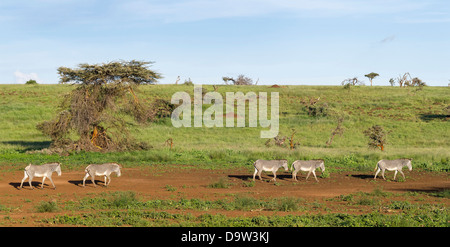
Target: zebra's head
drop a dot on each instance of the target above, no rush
(322, 166)
(58, 169)
(285, 165)
(118, 170)
(409, 164)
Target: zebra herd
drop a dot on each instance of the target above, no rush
(46, 170)
(310, 166)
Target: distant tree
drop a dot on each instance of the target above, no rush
(407, 81)
(371, 76)
(240, 80)
(403, 80)
(226, 79)
(392, 82)
(352, 81)
(347, 83)
(91, 109)
(416, 82)
(188, 82)
(31, 82)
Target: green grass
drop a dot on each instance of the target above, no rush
(126, 209)
(417, 121)
(153, 218)
(47, 207)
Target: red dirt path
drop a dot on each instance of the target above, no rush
(153, 182)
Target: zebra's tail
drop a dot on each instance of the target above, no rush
(377, 166)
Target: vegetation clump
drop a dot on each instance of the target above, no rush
(377, 137)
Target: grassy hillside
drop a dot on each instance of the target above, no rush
(418, 121)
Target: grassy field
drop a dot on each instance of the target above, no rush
(417, 121)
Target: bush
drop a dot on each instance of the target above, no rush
(288, 204)
(377, 137)
(123, 199)
(240, 80)
(47, 207)
(221, 184)
(31, 82)
(318, 110)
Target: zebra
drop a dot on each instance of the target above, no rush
(392, 165)
(101, 170)
(307, 166)
(269, 165)
(44, 171)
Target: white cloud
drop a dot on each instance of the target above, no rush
(21, 78)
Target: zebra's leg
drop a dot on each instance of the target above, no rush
(30, 179)
(24, 178)
(378, 170)
(50, 177)
(314, 173)
(307, 176)
(274, 176)
(84, 179)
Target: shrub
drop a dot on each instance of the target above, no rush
(31, 82)
(288, 204)
(240, 80)
(47, 207)
(377, 137)
(221, 184)
(123, 199)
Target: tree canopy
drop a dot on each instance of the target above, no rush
(121, 72)
(371, 76)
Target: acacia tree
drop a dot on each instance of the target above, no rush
(371, 76)
(240, 80)
(407, 81)
(92, 110)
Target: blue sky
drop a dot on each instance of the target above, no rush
(303, 42)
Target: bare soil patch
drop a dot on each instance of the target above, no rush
(153, 182)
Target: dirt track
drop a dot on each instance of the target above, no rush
(153, 182)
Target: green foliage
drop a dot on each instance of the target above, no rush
(170, 188)
(31, 82)
(221, 184)
(377, 137)
(371, 76)
(47, 207)
(107, 210)
(123, 199)
(239, 81)
(121, 72)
